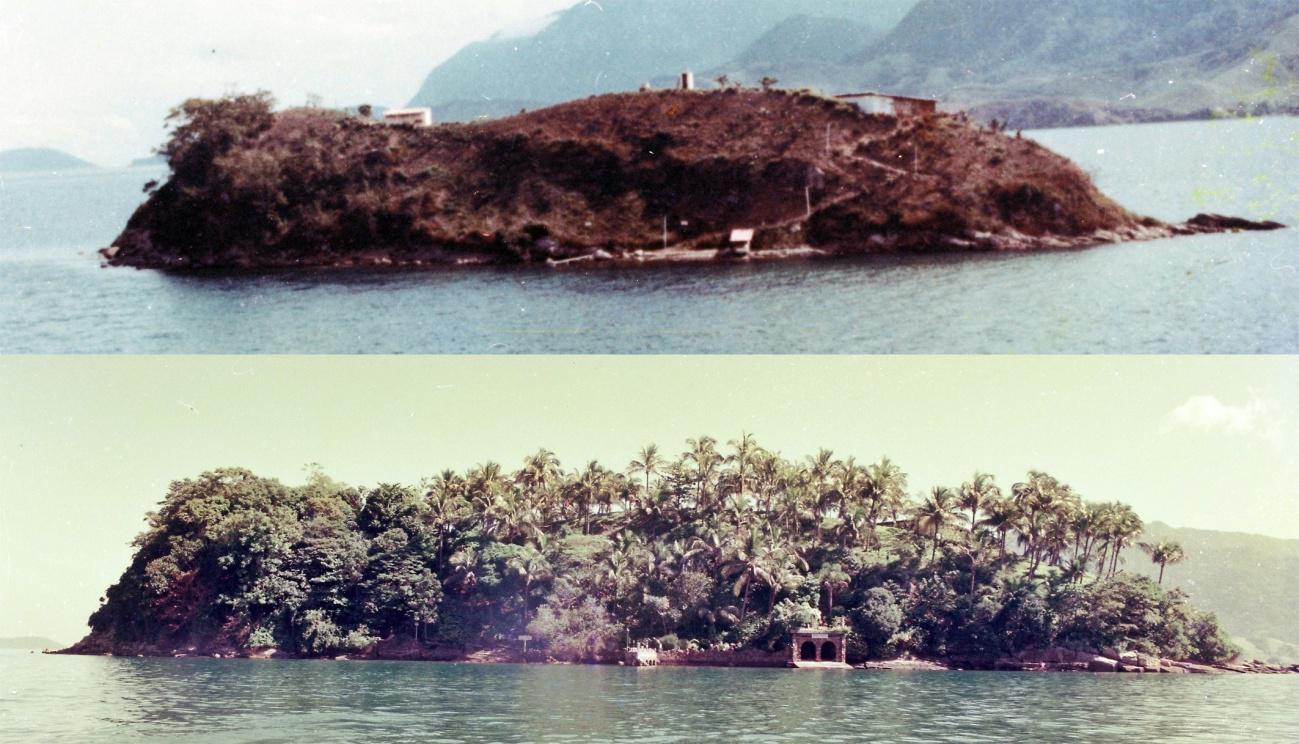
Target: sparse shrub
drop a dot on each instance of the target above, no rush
(262, 637)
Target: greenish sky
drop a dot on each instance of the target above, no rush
(88, 444)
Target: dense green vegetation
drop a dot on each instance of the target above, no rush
(719, 547)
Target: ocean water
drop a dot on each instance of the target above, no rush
(1207, 294)
(94, 699)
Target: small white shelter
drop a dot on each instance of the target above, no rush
(420, 117)
(741, 242)
(883, 103)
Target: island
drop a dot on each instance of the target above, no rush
(27, 643)
(657, 175)
(39, 160)
(721, 555)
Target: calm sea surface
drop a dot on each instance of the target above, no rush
(205, 700)
(1226, 294)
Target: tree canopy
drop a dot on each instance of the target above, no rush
(722, 547)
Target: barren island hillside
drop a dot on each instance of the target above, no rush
(656, 175)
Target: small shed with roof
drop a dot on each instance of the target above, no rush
(883, 103)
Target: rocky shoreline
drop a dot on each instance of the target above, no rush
(1059, 660)
(559, 258)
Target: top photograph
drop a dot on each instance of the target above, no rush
(650, 177)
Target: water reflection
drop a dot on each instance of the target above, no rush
(201, 700)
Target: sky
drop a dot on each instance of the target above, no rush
(89, 444)
(96, 79)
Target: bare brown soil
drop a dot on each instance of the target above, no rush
(618, 177)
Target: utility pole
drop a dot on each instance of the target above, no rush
(807, 192)
(665, 232)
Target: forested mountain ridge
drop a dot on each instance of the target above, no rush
(723, 547)
(1178, 56)
(616, 45)
(1251, 582)
(1034, 62)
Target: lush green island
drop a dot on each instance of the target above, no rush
(635, 177)
(713, 556)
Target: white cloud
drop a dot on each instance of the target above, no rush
(138, 58)
(1207, 413)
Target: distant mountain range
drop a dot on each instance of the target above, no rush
(1035, 62)
(35, 159)
(617, 45)
(1251, 582)
(28, 643)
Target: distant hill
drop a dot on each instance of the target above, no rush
(802, 51)
(149, 161)
(616, 45)
(1250, 581)
(25, 643)
(806, 38)
(31, 159)
(1179, 55)
(1033, 63)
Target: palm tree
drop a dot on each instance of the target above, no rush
(447, 508)
(933, 514)
(1164, 553)
(976, 546)
(819, 471)
(746, 449)
(530, 565)
(647, 462)
(1002, 516)
(1042, 499)
(703, 455)
(832, 576)
(591, 487)
(1124, 526)
(886, 490)
(976, 493)
(537, 478)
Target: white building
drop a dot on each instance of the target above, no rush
(883, 103)
(420, 117)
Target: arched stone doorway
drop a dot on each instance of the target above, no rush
(829, 652)
(817, 648)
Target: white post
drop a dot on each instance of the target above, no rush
(665, 232)
(807, 192)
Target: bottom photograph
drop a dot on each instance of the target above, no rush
(339, 549)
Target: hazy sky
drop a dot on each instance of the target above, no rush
(88, 444)
(97, 78)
